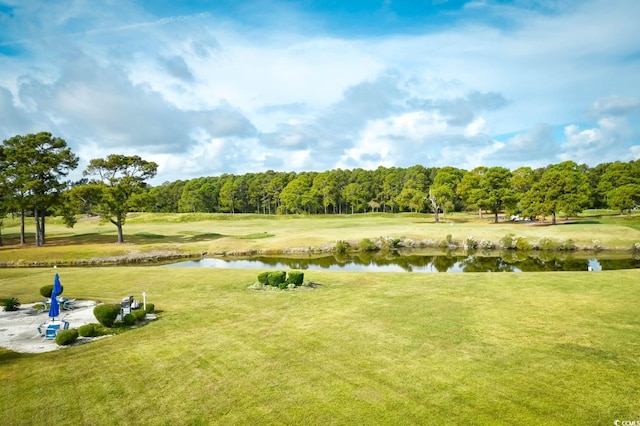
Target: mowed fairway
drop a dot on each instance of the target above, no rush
(552, 348)
(226, 233)
(364, 348)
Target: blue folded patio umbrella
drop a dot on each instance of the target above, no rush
(54, 308)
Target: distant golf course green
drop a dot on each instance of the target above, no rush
(552, 348)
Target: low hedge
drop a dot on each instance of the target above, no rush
(88, 330)
(67, 337)
(295, 277)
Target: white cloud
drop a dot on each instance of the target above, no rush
(475, 128)
(205, 94)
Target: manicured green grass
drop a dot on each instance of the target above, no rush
(218, 233)
(364, 348)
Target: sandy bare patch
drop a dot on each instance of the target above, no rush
(19, 329)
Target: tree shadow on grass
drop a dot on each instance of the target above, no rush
(7, 355)
(110, 238)
(95, 238)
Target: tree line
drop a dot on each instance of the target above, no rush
(33, 168)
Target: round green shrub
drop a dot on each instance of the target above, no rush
(88, 330)
(150, 308)
(139, 314)
(67, 337)
(296, 278)
(129, 319)
(46, 290)
(106, 314)
(263, 278)
(276, 278)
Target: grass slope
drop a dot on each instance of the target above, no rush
(364, 348)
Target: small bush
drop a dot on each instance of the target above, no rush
(10, 304)
(263, 278)
(46, 290)
(67, 337)
(276, 278)
(522, 244)
(342, 247)
(150, 308)
(139, 314)
(129, 319)
(470, 243)
(567, 245)
(295, 277)
(486, 245)
(546, 244)
(88, 330)
(106, 314)
(367, 245)
(508, 242)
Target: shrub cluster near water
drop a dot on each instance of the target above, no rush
(279, 280)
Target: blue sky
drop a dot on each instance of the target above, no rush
(211, 87)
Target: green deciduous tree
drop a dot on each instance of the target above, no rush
(562, 188)
(625, 197)
(492, 190)
(33, 166)
(297, 196)
(620, 184)
(443, 190)
(325, 187)
(119, 177)
(355, 195)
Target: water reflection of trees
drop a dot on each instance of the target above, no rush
(507, 261)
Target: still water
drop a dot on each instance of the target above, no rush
(441, 262)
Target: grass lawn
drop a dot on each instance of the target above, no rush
(226, 233)
(364, 348)
(550, 348)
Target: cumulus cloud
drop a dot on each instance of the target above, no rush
(535, 147)
(213, 92)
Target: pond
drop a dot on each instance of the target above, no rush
(427, 263)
